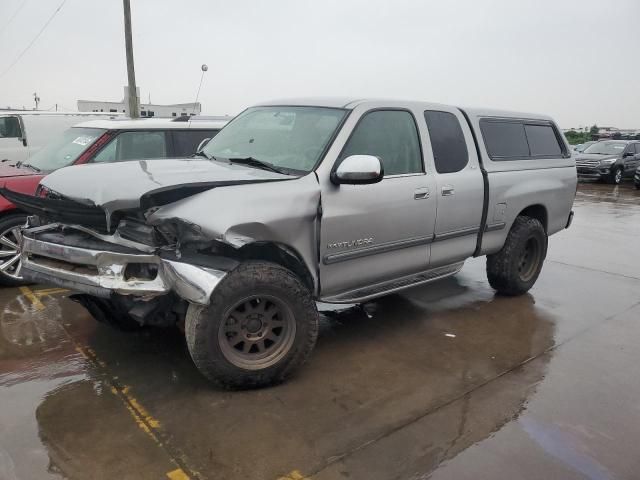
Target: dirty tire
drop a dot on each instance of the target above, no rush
(616, 175)
(503, 267)
(251, 280)
(7, 224)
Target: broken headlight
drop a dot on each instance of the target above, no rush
(138, 231)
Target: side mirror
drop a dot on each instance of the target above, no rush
(628, 154)
(358, 170)
(23, 140)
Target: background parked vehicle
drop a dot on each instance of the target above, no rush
(98, 141)
(609, 160)
(325, 200)
(24, 133)
(581, 147)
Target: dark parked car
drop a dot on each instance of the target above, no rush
(609, 160)
(581, 147)
(636, 179)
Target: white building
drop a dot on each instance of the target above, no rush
(146, 109)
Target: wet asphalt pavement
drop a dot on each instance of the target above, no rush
(446, 381)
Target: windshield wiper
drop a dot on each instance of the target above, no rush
(202, 154)
(254, 162)
(32, 167)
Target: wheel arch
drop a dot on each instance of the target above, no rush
(537, 211)
(281, 254)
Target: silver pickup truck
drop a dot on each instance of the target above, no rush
(295, 202)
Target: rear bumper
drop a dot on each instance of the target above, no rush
(101, 273)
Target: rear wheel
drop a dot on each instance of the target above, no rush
(259, 327)
(10, 238)
(515, 268)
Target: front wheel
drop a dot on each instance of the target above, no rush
(261, 324)
(515, 268)
(10, 238)
(616, 176)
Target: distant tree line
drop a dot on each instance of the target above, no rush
(575, 137)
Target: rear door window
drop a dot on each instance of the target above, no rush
(447, 141)
(139, 145)
(542, 141)
(186, 142)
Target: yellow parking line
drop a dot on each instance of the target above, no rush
(32, 297)
(145, 421)
(148, 419)
(49, 291)
(177, 475)
(294, 475)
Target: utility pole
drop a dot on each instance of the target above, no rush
(134, 111)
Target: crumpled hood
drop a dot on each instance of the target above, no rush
(7, 171)
(118, 186)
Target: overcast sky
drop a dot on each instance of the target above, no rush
(578, 61)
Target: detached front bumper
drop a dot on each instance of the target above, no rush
(101, 273)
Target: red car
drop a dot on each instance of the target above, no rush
(97, 141)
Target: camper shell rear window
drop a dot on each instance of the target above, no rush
(515, 139)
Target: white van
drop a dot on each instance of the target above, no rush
(22, 133)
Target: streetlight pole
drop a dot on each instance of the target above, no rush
(204, 68)
(134, 111)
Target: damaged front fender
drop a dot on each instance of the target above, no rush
(282, 213)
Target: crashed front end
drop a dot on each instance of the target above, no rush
(146, 253)
(117, 265)
(53, 255)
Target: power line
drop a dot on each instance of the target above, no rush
(34, 39)
(16, 11)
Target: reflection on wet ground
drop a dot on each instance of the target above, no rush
(445, 381)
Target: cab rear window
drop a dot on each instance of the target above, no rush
(520, 140)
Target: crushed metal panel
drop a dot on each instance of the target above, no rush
(280, 212)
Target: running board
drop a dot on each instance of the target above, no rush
(385, 288)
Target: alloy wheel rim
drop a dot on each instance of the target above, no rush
(529, 259)
(10, 260)
(257, 332)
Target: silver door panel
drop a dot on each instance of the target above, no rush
(370, 233)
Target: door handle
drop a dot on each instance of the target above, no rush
(421, 193)
(448, 190)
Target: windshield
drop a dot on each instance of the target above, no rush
(606, 148)
(65, 149)
(581, 148)
(287, 137)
